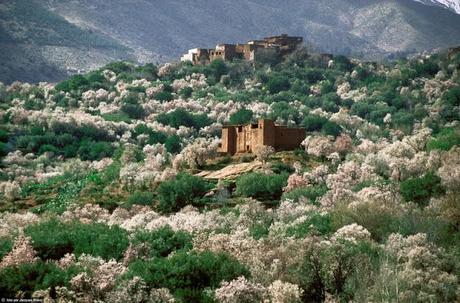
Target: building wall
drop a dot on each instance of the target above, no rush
(288, 138)
(228, 142)
(244, 138)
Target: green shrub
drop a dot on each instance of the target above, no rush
(316, 223)
(186, 92)
(181, 117)
(163, 241)
(30, 277)
(242, 116)
(133, 110)
(445, 139)
(163, 96)
(280, 167)
(331, 129)
(284, 111)
(421, 189)
(452, 96)
(261, 228)
(90, 150)
(119, 67)
(117, 117)
(343, 63)
(428, 68)
(339, 269)
(278, 83)
(313, 122)
(187, 274)
(53, 239)
(140, 198)
(217, 69)
(4, 149)
(154, 137)
(76, 82)
(5, 247)
(311, 193)
(173, 144)
(183, 190)
(261, 186)
(403, 121)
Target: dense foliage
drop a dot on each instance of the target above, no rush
(181, 191)
(53, 239)
(112, 188)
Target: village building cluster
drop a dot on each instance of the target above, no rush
(251, 51)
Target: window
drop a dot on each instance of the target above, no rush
(240, 129)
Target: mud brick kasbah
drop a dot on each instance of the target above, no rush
(250, 51)
(244, 138)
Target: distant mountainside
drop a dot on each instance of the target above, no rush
(37, 44)
(453, 5)
(47, 39)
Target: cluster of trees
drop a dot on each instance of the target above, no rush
(86, 141)
(181, 117)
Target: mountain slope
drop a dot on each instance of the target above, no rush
(155, 31)
(453, 5)
(352, 26)
(38, 44)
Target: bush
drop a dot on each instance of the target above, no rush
(163, 241)
(281, 167)
(183, 190)
(180, 117)
(421, 189)
(278, 83)
(445, 139)
(217, 68)
(186, 92)
(4, 149)
(284, 111)
(314, 122)
(311, 193)
(53, 239)
(163, 96)
(243, 116)
(452, 96)
(27, 278)
(316, 223)
(338, 269)
(173, 144)
(261, 186)
(331, 129)
(403, 121)
(119, 67)
(140, 198)
(90, 150)
(5, 247)
(154, 137)
(76, 82)
(343, 63)
(130, 105)
(187, 274)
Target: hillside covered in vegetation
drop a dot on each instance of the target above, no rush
(100, 198)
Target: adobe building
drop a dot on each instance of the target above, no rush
(244, 138)
(276, 45)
